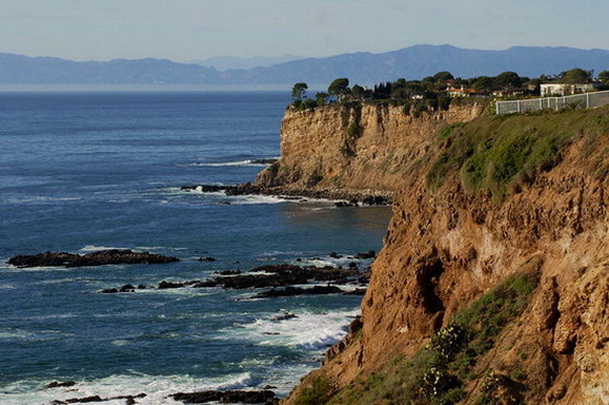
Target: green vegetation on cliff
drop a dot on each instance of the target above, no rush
(499, 154)
(439, 372)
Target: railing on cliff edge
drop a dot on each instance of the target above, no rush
(584, 100)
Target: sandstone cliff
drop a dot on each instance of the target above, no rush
(353, 147)
(499, 197)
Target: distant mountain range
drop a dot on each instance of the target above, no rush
(231, 62)
(364, 68)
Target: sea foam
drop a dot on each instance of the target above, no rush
(157, 388)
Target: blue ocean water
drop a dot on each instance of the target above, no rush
(86, 171)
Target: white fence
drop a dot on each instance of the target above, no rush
(585, 100)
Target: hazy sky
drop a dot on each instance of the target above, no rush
(195, 29)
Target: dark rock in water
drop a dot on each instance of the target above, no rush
(244, 189)
(228, 272)
(368, 255)
(357, 291)
(94, 398)
(130, 399)
(284, 317)
(204, 188)
(207, 259)
(345, 204)
(335, 255)
(376, 200)
(263, 161)
(127, 288)
(103, 257)
(166, 284)
(353, 265)
(282, 275)
(292, 291)
(58, 384)
(224, 397)
(141, 287)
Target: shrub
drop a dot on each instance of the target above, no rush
(437, 373)
(353, 130)
(319, 391)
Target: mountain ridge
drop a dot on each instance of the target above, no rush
(365, 68)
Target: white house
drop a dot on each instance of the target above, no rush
(562, 89)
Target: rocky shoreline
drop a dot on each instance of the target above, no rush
(264, 396)
(98, 258)
(281, 278)
(344, 198)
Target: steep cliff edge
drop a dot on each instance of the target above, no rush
(476, 207)
(354, 148)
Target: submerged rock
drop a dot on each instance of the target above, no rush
(99, 258)
(228, 272)
(347, 199)
(366, 255)
(292, 291)
(204, 188)
(130, 399)
(167, 284)
(58, 384)
(263, 161)
(246, 397)
(278, 275)
(284, 317)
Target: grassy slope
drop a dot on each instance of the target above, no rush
(501, 154)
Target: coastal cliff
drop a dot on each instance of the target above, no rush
(493, 282)
(354, 148)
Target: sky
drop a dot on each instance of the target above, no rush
(184, 30)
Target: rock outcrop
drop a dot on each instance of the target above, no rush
(448, 245)
(99, 258)
(227, 397)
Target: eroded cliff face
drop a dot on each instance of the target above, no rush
(354, 148)
(444, 248)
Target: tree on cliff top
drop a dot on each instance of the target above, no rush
(575, 76)
(508, 80)
(339, 87)
(299, 91)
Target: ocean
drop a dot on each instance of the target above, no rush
(81, 172)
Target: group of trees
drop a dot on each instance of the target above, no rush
(337, 89)
(432, 91)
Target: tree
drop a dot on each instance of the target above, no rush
(309, 104)
(483, 85)
(299, 91)
(508, 80)
(604, 76)
(358, 91)
(575, 76)
(339, 87)
(321, 98)
(443, 76)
